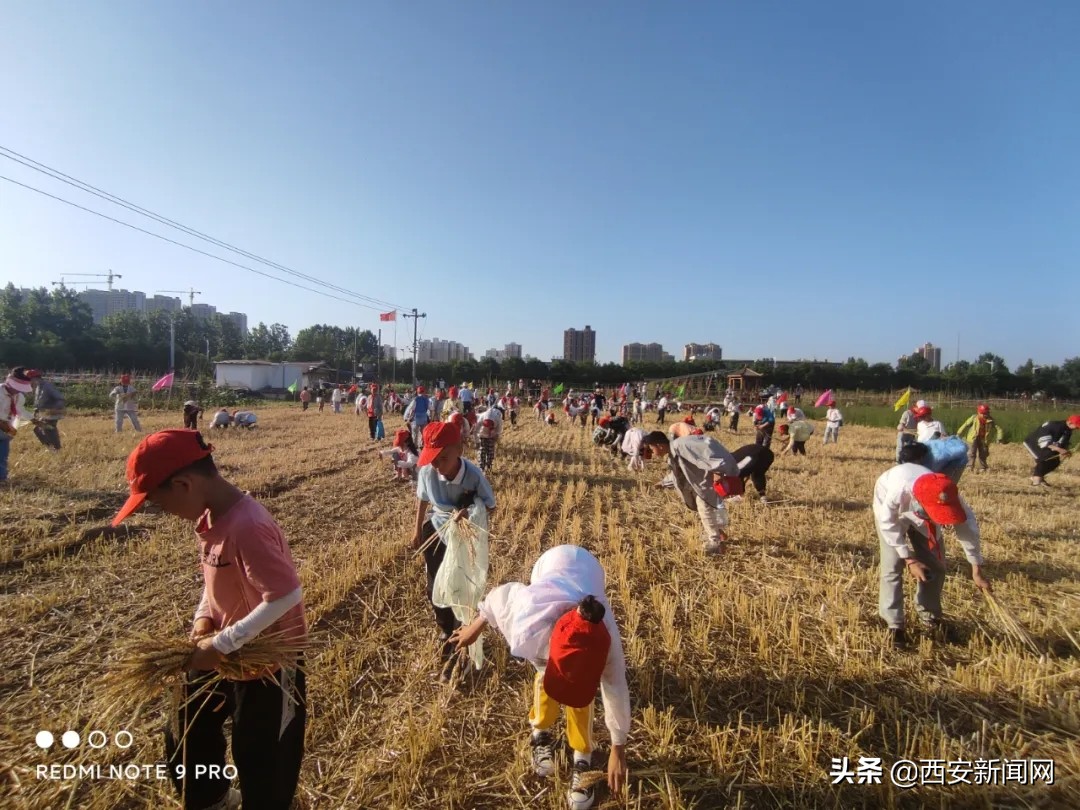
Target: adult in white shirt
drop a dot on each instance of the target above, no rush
(833, 421)
(632, 448)
(361, 404)
(562, 623)
(126, 403)
(661, 409)
(335, 398)
(911, 505)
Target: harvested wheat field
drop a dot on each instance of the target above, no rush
(748, 673)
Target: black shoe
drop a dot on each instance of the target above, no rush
(543, 753)
(898, 638)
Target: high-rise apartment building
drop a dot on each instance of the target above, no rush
(441, 351)
(579, 346)
(645, 353)
(510, 350)
(163, 303)
(240, 319)
(932, 354)
(104, 303)
(701, 351)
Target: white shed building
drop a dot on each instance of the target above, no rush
(260, 374)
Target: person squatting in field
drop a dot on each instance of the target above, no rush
(754, 462)
(1048, 444)
(695, 465)
(976, 432)
(250, 588)
(449, 484)
(192, 411)
(911, 505)
(561, 622)
(403, 455)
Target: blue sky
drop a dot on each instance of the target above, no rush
(789, 180)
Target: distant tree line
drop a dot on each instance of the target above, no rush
(55, 331)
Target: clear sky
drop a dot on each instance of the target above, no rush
(785, 179)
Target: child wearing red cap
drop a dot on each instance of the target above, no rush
(976, 432)
(911, 504)
(448, 484)
(403, 456)
(488, 430)
(1048, 444)
(562, 623)
(250, 587)
(927, 427)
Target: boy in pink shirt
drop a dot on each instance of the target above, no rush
(251, 587)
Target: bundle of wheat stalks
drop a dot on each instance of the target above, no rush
(1010, 624)
(146, 665)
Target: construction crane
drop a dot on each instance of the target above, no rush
(190, 293)
(108, 276)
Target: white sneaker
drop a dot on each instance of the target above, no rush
(580, 796)
(543, 754)
(713, 547)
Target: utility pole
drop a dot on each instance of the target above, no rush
(415, 343)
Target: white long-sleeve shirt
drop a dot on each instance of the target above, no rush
(894, 513)
(834, 417)
(526, 616)
(926, 430)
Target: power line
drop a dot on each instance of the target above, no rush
(56, 174)
(187, 247)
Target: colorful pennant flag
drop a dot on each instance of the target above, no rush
(681, 390)
(824, 398)
(292, 388)
(388, 316)
(901, 403)
(164, 382)
(558, 389)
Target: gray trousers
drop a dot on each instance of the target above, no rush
(902, 439)
(132, 415)
(891, 584)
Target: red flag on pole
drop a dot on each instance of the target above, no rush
(388, 316)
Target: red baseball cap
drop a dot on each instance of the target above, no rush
(1073, 421)
(576, 660)
(156, 458)
(420, 389)
(438, 435)
(689, 419)
(938, 496)
(401, 437)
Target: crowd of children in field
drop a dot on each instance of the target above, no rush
(560, 620)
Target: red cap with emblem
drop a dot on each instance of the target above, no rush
(577, 656)
(938, 496)
(159, 456)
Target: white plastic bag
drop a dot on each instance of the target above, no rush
(462, 578)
